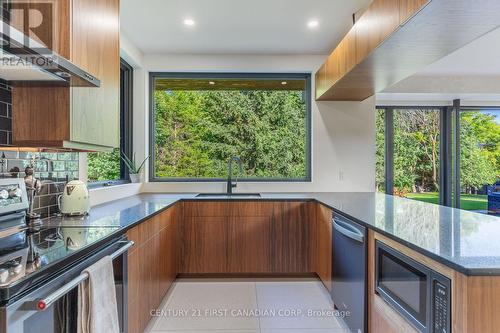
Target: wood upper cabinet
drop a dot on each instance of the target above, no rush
(378, 22)
(78, 118)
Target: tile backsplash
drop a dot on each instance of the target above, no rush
(5, 114)
(53, 169)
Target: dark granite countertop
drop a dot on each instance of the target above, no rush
(465, 241)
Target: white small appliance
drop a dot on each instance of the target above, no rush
(75, 199)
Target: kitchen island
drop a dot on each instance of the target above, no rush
(462, 240)
(290, 234)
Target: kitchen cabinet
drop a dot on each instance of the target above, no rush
(248, 237)
(378, 22)
(292, 247)
(227, 237)
(205, 249)
(74, 117)
(474, 299)
(379, 50)
(152, 265)
(324, 245)
(249, 249)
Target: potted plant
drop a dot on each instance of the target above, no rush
(133, 168)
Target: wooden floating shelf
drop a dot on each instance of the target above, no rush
(394, 39)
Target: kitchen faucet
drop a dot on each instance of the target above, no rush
(230, 183)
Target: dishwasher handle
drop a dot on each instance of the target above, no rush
(348, 230)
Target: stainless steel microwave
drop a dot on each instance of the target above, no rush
(415, 291)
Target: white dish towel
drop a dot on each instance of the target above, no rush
(97, 309)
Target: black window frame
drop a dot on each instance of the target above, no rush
(444, 142)
(126, 125)
(218, 75)
(449, 152)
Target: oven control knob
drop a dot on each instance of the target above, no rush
(16, 269)
(4, 275)
(16, 193)
(4, 194)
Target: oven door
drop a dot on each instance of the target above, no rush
(61, 297)
(404, 284)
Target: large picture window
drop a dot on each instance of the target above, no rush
(200, 121)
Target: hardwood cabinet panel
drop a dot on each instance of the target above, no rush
(324, 245)
(408, 8)
(251, 208)
(320, 81)
(152, 260)
(152, 265)
(80, 118)
(205, 244)
(290, 234)
(207, 208)
(134, 292)
(167, 259)
(249, 244)
(375, 25)
(96, 49)
(228, 208)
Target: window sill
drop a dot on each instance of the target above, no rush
(107, 183)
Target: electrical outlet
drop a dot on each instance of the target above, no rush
(341, 175)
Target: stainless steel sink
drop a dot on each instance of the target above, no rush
(233, 195)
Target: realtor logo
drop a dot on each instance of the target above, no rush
(35, 19)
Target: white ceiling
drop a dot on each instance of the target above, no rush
(237, 26)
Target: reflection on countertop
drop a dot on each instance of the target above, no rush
(463, 240)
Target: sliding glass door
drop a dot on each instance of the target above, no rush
(448, 155)
(480, 159)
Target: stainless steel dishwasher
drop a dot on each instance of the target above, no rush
(349, 271)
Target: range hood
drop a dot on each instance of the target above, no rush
(25, 62)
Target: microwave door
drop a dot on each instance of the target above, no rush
(404, 284)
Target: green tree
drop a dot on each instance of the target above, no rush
(198, 131)
(479, 150)
(103, 166)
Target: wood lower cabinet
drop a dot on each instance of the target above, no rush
(152, 265)
(248, 237)
(205, 244)
(475, 300)
(249, 244)
(240, 237)
(292, 234)
(324, 245)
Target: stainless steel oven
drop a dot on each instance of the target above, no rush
(417, 292)
(51, 306)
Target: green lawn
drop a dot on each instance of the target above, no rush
(467, 201)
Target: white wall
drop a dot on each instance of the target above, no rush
(343, 145)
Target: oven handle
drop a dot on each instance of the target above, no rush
(41, 304)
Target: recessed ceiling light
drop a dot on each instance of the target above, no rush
(189, 22)
(211, 83)
(284, 83)
(313, 24)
